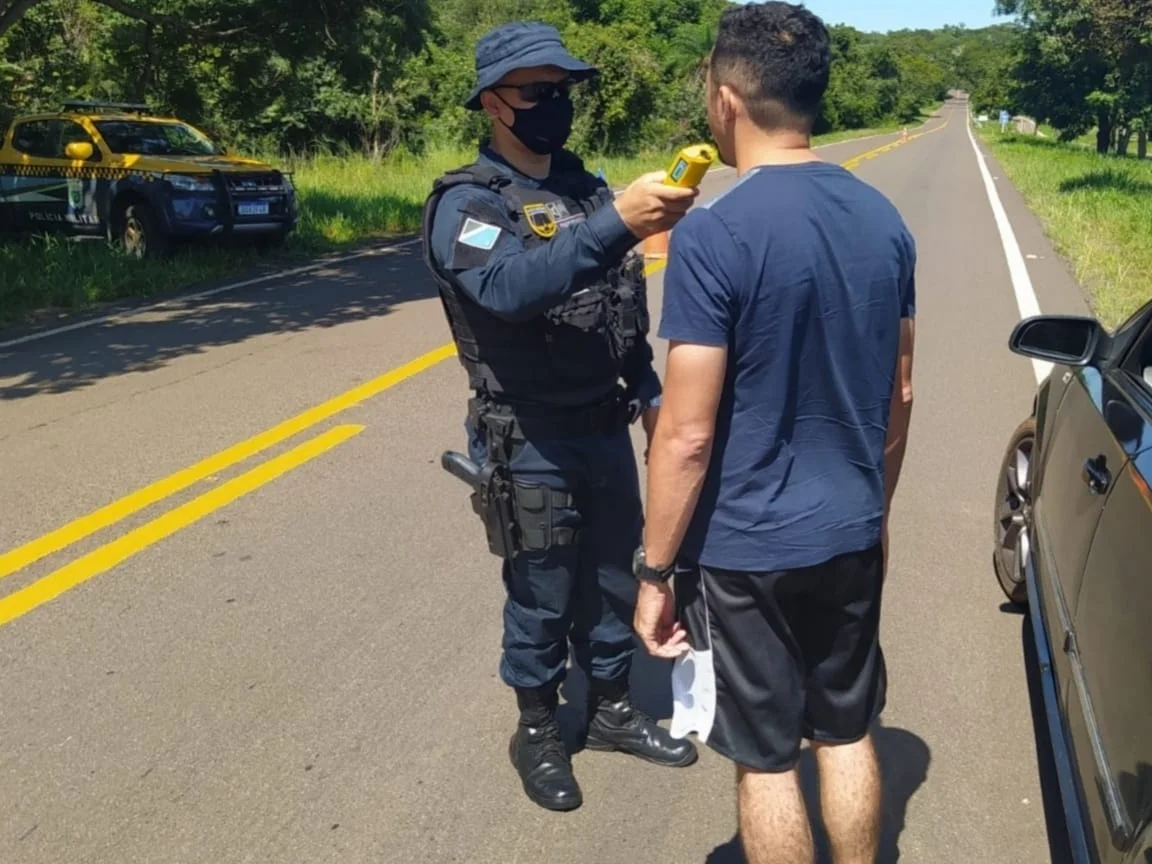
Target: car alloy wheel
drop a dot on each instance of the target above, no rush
(1014, 513)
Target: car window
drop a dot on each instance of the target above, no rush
(47, 139)
(155, 138)
(1139, 363)
(36, 138)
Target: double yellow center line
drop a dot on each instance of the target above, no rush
(109, 555)
(115, 552)
(29, 553)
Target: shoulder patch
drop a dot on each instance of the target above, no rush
(479, 235)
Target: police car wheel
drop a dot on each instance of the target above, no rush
(140, 235)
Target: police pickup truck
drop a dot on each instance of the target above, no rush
(114, 170)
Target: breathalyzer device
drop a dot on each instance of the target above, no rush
(690, 166)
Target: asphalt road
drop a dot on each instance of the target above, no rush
(298, 665)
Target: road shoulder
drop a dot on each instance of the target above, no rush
(1057, 290)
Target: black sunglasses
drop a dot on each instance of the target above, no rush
(539, 91)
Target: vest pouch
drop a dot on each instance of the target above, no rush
(583, 311)
(632, 273)
(628, 307)
(580, 346)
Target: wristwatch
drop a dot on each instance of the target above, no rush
(644, 573)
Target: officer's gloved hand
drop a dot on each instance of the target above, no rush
(650, 415)
(649, 206)
(635, 406)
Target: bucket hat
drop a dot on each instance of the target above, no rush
(518, 46)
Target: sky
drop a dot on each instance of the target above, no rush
(883, 15)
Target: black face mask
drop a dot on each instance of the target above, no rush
(544, 128)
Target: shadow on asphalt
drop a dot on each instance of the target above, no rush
(1057, 828)
(904, 759)
(341, 293)
(651, 693)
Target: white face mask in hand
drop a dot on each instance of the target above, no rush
(694, 686)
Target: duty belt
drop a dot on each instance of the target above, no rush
(607, 415)
(518, 512)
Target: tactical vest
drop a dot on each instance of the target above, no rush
(573, 353)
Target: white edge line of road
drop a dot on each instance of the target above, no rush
(268, 277)
(1017, 268)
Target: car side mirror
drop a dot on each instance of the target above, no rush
(1070, 340)
(79, 151)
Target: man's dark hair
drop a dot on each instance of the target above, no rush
(777, 57)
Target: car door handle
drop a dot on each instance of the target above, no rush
(1097, 477)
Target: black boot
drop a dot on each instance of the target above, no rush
(615, 724)
(538, 753)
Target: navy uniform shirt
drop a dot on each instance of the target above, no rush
(804, 273)
(474, 240)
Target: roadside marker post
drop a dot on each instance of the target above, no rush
(655, 246)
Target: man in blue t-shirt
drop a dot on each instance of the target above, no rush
(788, 306)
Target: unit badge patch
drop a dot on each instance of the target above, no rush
(543, 218)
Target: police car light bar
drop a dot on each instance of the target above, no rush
(123, 107)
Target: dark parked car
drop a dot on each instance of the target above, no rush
(1073, 534)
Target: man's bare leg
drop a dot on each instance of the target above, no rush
(850, 799)
(774, 825)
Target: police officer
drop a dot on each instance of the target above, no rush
(545, 297)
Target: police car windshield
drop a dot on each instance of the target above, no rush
(146, 138)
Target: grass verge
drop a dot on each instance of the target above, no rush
(344, 202)
(1097, 210)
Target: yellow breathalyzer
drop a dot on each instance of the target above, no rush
(690, 166)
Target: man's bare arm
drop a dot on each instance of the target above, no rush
(681, 446)
(900, 413)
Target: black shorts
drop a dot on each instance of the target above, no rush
(797, 655)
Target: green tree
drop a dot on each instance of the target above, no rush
(377, 75)
(627, 88)
(1085, 63)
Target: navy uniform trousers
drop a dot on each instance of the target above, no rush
(584, 592)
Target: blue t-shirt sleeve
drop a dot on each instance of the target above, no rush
(699, 291)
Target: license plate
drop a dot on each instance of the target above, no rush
(252, 208)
